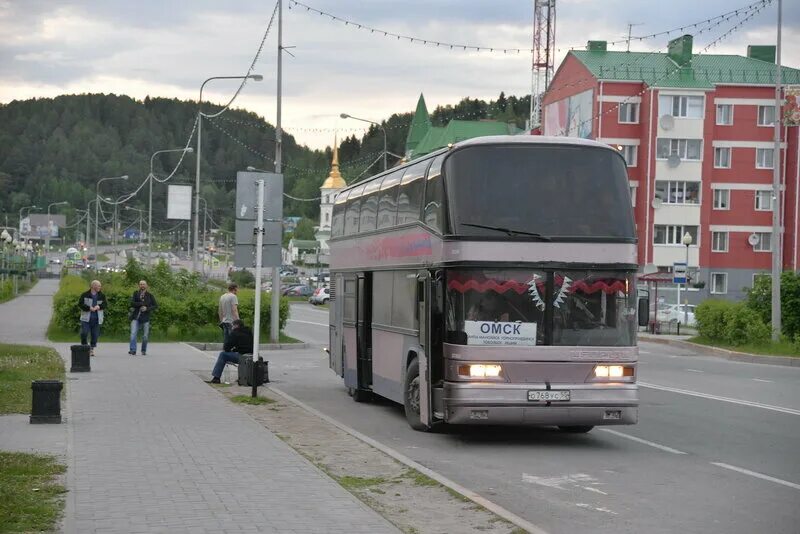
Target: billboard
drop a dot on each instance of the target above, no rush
(179, 202)
(571, 116)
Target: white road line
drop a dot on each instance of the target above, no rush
(645, 352)
(781, 409)
(757, 475)
(695, 371)
(643, 441)
(589, 488)
(763, 380)
(306, 322)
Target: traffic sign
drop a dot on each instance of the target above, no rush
(679, 273)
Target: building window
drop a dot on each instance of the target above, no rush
(687, 107)
(764, 158)
(764, 242)
(673, 192)
(766, 115)
(628, 113)
(722, 158)
(722, 199)
(724, 114)
(690, 149)
(630, 153)
(719, 241)
(673, 234)
(327, 217)
(763, 200)
(633, 189)
(719, 283)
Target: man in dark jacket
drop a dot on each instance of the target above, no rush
(239, 342)
(143, 303)
(92, 304)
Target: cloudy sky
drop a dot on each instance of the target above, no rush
(168, 47)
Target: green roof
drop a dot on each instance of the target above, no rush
(420, 124)
(703, 71)
(456, 130)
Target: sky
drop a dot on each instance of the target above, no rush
(167, 48)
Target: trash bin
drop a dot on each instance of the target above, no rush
(245, 371)
(46, 401)
(80, 359)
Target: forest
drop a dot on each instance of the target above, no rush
(55, 149)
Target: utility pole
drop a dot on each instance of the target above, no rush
(275, 303)
(630, 27)
(777, 241)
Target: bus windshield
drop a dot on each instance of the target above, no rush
(552, 191)
(540, 307)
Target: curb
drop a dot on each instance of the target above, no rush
(732, 355)
(262, 346)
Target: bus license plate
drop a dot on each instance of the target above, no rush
(548, 395)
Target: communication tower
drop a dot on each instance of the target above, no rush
(544, 48)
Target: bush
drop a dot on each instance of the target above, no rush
(730, 323)
(739, 319)
(710, 319)
(244, 278)
(759, 299)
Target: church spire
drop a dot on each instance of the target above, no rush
(334, 179)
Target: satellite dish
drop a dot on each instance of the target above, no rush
(657, 202)
(673, 160)
(667, 122)
(753, 239)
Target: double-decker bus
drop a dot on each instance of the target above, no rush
(491, 282)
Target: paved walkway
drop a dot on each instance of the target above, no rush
(151, 448)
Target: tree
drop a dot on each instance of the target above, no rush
(759, 299)
(304, 230)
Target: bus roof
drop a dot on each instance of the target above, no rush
(530, 140)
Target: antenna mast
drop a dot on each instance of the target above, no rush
(544, 48)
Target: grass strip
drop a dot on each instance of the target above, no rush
(19, 366)
(781, 348)
(247, 399)
(31, 500)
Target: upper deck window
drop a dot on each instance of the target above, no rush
(353, 213)
(337, 224)
(434, 211)
(387, 200)
(560, 192)
(409, 198)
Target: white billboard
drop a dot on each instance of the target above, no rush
(179, 202)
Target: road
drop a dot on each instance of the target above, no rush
(715, 450)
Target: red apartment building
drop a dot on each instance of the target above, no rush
(697, 134)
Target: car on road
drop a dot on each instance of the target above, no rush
(321, 296)
(675, 312)
(300, 291)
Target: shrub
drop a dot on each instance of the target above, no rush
(739, 321)
(244, 278)
(710, 319)
(759, 299)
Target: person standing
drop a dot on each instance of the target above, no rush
(240, 341)
(228, 310)
(143, 303)
(92, 304)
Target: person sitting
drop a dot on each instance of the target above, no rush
(240, 341)
(488, 308)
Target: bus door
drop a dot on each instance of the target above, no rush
(424, 283)
(364, 330)
(336, 351)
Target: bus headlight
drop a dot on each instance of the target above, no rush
(612, 371)
(480, 370)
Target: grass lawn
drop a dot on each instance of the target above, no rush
(173, 334)
(19, 366)
(7, 289)
(31, 500)
(782, 348)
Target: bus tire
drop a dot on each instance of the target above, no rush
(411, 397)
(576, 429)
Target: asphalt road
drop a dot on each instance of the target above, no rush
(715, 450)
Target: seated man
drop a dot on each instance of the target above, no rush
(239, 342)
(490, 307)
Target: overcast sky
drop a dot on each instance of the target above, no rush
(168, 47)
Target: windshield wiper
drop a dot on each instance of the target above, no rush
(508, 231)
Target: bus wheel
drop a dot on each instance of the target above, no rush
(411, 397)
(575, 429)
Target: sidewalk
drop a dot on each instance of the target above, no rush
(151, 448)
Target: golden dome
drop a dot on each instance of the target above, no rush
(334, 179)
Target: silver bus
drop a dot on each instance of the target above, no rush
(491, 282)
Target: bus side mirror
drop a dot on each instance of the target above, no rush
(644, 311)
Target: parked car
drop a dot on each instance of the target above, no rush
(299, 291)
(675, 312)
(321, 296)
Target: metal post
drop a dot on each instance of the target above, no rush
(686, 304)
(150, 221)
(88, 222)
(197, 179)
(259, 230)
(777, 248)
(275, 303)
(114, 235)
(96, 235)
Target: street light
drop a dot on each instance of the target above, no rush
(47, 235)
(687, 240)
(346, 116)
(254, 77)
(140, 212)
(187, 150)
(97, 211)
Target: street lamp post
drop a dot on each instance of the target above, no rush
(254, 77)
(347, 116)
(687, 240)
(203, 239)
(47, 235)
(187, 150)
(97, 211)
(141, 217)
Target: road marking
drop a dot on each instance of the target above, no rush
(645, 352)
(643, 441)
(559, 481)
(587, 488)
(757, 475)
(781, 409)
(762, 380)
(695, 371)
(306, 322)
(590, 507)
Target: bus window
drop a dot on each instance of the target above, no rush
(337, 223)
(353, 213)
(433, 212)
(409, 197)
(369, 207)
(404, 300)
(382, 283)
(387, 201)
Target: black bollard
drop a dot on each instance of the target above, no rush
(80, 359)
(46, 402)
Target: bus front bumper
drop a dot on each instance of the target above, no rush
(508, 404)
